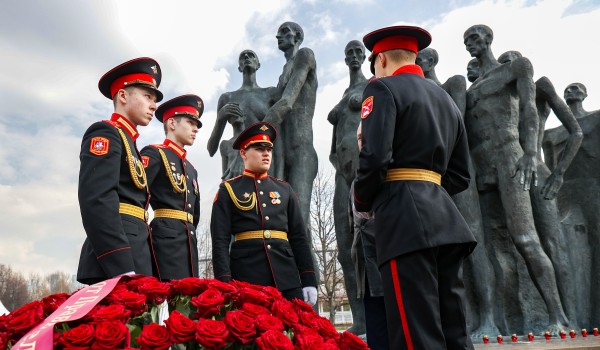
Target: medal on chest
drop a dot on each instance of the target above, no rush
(275, 197)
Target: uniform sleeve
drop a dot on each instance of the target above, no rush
(220, 231)
(152, 162)
(197, 203)
(99, 200)
(377, 137)
(299, 242)
(457, 176)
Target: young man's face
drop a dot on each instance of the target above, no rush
(257, 159)
(139, 105)
(184, 130)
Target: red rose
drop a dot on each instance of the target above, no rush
(229, 291)
(155, 291)
(326, 329)
(309, 319)
(211, 334)
(349, 341)
(52, 302)
(331, 344)
(134, 302)
(3, 340)
(80, 336)
(266, 322)
(285, 312)
(208, 303)
(3, 322)
(274, 340)
(135, 283)
(115, 312)
(191, 286)
(301, 305)
(110, 335)
(25, 318)
(253, 310)
(309, 341)
(181, 328)
(251, 295)
(272, 292)
(154, 337)
(241, 327)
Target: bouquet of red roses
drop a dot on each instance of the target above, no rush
(204, 314)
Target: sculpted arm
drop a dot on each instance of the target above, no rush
(522, 72)
(457, 89)
(225, 109)
(545, 89)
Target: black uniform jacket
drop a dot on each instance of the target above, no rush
(173, 240)
(285, 264)
(116, 243)
(412, 124)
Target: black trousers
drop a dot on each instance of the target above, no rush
(375, 320)
(424, 296)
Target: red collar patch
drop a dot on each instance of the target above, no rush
(367, 107)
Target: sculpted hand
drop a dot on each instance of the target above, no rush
(277, 112)
(310, 295)
(526, 168)
(230, 110)
(552, 185)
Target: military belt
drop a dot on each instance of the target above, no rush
(404, 174)
(174, 214)
(261, 234)
(133, 210)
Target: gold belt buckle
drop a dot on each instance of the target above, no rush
(146, 215)
(267, 234)
(190, 218)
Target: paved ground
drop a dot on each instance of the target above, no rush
(579, 343)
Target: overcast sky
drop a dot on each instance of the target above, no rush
(53, 53)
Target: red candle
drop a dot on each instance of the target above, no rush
(584, 332)
(595, 332)
(513, 338)
(499, 339)
(563, 335)
(486, 339)
(530, 336)
(572, 333)
(547, 335)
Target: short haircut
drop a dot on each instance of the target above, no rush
(176, 118)
(400, 55)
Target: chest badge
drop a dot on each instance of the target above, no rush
(275, 197)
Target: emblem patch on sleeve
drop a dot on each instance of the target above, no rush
(145, 161)
(99, 146)
(367, 107)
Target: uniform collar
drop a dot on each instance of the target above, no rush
(126, 125)
(255, 175)
(410, 69)
(175, 148)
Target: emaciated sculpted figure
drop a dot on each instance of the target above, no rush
(545, 211)
(294, 112)
(467, 203)
(345, 117)
(244, 106)
(504, 146)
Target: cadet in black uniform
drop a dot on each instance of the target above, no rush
(174, 192)
(113, 191)
(414, 156)
(260, 214)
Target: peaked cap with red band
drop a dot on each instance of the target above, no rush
(143, 71)
(190, 106)
(410, 38)
(261, 134)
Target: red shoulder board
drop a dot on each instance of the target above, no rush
(145, 161)
(111, 123)
(99, 146)
(158, 146)
(367, 107)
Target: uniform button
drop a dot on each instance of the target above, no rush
(268, 246)
(188, 191)
(264, 205)
(261, 192)
(258, 181)
(266, 218)
(187, 176)
(189, 205)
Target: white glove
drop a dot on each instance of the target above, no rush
(310, 295)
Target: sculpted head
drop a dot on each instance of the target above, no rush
(355, 54)
(575, 92)
(427, 59)
(248, 60)
(478, 39)
(289, 35)
(509, 56)
(473, 70)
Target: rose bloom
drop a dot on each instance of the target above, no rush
(266, 322)
(253, 310)
(155, 291)
(134, 302)
(301, 305)
(211, 334)
(208, 303)
(331, 344)
(110, 335)
(25, 318)
(154, 337)
(306, 338)
(3, 340)
(52, 302)
(274, 340)
(349, 341)
(80, 336)
(134, 283)
(326, 329)
(241, 327)
(229, 291)
(190, 286)
(309, 319)
(285, 312)
(272, 292)
(115, 312)
(181, 328)
(251, 295)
